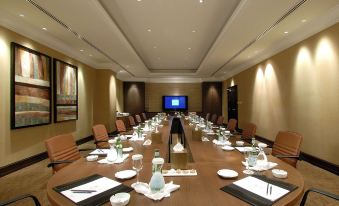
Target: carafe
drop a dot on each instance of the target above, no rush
(157, 182)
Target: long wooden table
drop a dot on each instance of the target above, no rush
(203, 189)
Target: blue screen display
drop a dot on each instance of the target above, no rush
(174, 102)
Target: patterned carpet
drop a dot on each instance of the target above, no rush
(33, 180)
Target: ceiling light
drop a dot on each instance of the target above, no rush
(285, 32)
(21, 15)
(44, 28)
(201, 1)
(138, 0)
(90, 55)
(193, 31)
(154, 47)
(149, 30)
(304, 20)
(81, 50)
(189, 48)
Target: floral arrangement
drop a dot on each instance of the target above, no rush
(118, 143)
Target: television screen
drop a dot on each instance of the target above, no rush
(174, 102)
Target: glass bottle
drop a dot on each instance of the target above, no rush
(156, 155)
(262, 158)
(252, 158)
(157, 182)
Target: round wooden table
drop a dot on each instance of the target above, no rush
(203, 189)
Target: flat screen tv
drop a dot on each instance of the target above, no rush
(174, 103)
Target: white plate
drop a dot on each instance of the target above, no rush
(226, 173)
(127, 149)
(125, 174)
(227, 148)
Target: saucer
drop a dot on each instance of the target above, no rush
(127, 149)
(226, 173)
(227, 148)
(125, 174)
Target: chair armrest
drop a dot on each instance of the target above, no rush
(330, 195)
(51, 164)
(21, 197)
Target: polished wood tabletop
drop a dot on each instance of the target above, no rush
(203, 189)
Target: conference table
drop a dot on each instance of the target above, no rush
(202, 189)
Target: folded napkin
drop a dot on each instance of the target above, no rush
(143, 188)
(217, 142)
(147, 142)
(178, 147)
(117, 161)
(136, 138)
(127, 149)
(258, 168)
(205, 139)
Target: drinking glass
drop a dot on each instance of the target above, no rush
(137, 164)
(247, 171)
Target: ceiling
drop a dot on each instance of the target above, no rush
(169, 40)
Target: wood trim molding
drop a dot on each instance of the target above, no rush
(331, 167)
(15, 166)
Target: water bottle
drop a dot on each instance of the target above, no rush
(252, 158)
(157, 183)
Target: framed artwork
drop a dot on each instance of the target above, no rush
(30, 87)
(65, 91)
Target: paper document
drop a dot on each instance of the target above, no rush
(259, 187)
(100, 152)
(100, 185)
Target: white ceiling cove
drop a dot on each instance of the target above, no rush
(169, 40)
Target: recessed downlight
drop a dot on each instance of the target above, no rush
(201, 1)
(154, 47)
(81, 50)
(189, 48)
(149, 30)
(90, 55)
(304, 20)
(285, 32)
(21, 15)
(193, 31)
(139, 0)
(44, 28)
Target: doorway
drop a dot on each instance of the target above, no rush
(232, 100)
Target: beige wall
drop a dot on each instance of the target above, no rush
(297, 90)
(22, 143)
(120, 96)
(155, 91)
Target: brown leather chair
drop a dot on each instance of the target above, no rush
(19, 198)
(138, 119)
(249, 131)
(287, 147)
(101, 136)
(144, 116)
(220, 120)
(121, 128)
(231, 125)
(214, 118)
(61, 150)
(131, 121)
(208, 116)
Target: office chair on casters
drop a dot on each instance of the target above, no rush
(21, 197)
(330, 195)
(101, 136)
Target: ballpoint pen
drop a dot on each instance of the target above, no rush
(267, 188)
(83, 191)
(271, 190)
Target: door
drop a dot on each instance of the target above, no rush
(232, 99)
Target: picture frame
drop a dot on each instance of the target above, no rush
(65, 91)
(30, 87)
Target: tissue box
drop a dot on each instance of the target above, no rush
(156, 138)
(196, 135)
(179, 160)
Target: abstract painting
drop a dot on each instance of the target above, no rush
(31, 87)
(65, 91)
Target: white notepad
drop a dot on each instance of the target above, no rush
(99, 185)
(259, 187)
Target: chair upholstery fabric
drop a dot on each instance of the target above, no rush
(137, 118)
(62, 147)
(287, 143)
(131, 121)
(208, 116)
(120, 126)
(220, 120)
(100, 134)
(144, 116)
(231, 125)
(214, 118)
(249, 131)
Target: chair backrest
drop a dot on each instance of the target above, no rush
(62, 147)
(208, 116)
(144, 116)
(287, 143)
(100, 134)
(120, 125)
(21, 197)
(231, 125)
(220, 120)
(249, 131)
(321, 192)
(214, 118)
(131, 121)
(137, 117)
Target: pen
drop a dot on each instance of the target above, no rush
(271, 190)
(267, 188)
(83, 191)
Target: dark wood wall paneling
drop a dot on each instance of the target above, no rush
(212, 98)
(134, 97)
